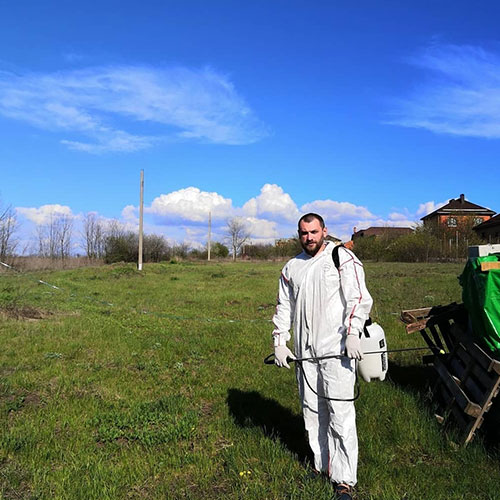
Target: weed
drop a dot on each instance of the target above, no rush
(151, 423)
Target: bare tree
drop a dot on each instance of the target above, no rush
(46, 239)
(8, 225)
(93, 236)
(64, 232)
(237, 234)
(54, 238)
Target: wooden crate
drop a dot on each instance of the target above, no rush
(468, 377)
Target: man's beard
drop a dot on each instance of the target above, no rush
(312, 251)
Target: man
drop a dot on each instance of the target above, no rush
(327, 308)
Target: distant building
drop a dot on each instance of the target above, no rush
(283, 242)
(489, 230)
(329, 237)
(377, 232)
(458, 213)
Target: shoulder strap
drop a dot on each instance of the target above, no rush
(335, 255)
(336, 261)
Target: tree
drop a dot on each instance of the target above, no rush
(120, 245)
(64, 232)
(180, 250)
(54, 238)
(8, 225)
(219, 250)
(156, 248)
(93, 236)
(237, 234)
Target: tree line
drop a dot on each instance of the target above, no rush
(113, 242)
(424, 244)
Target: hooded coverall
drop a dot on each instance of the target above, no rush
(324, 305)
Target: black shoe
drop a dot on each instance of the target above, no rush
(342, 492)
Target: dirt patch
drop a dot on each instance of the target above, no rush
(28, 313)
(269, 305)
(17, 401)
(206, 408)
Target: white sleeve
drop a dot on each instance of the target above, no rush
(358, 299)
(283, 317)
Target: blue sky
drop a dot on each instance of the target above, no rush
(370, 112)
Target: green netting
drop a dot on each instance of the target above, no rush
(481, 296)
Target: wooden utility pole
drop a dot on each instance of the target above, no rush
(209, 234)
(141, 210)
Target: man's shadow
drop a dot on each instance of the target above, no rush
(250, 409)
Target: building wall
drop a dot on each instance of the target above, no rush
(461, 220)
(490, 234)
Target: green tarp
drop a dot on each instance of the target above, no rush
(481, 296)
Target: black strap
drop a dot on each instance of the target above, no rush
(335, 255)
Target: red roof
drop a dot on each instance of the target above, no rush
(460, 206)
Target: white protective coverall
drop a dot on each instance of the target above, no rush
(323, 305)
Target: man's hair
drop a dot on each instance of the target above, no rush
(309, 218)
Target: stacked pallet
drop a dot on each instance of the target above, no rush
(468, 377)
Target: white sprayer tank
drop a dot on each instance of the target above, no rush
(373, 366)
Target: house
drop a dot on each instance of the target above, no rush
(489, 230)
(458, 213)
(387, 232)
(283, 242)
(329, 237)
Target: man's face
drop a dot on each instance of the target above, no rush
(312, 236)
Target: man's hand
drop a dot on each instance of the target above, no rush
(281, 354)
(353, 346)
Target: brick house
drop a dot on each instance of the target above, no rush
(387, 232)
(458, 213)
(489, 230)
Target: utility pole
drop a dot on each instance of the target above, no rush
(209, 234)
(141, 210)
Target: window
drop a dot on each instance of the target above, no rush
(452, 222)
(477, 221)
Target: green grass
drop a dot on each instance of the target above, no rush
(164, 394)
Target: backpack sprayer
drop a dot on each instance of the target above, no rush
(374, 364)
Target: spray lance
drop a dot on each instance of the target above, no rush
(374, 364)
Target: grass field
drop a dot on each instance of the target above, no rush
(124, 384)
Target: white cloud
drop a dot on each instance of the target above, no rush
(190, 204)
(337, 210)
(112, 140)
(261, 229)
(45, 213)
(270, 215)
(429, 207)
(272, 202)
(129, 215)
(98, 103)
(395, 216)
(461, 95)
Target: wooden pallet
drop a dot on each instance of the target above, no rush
(468, 378)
